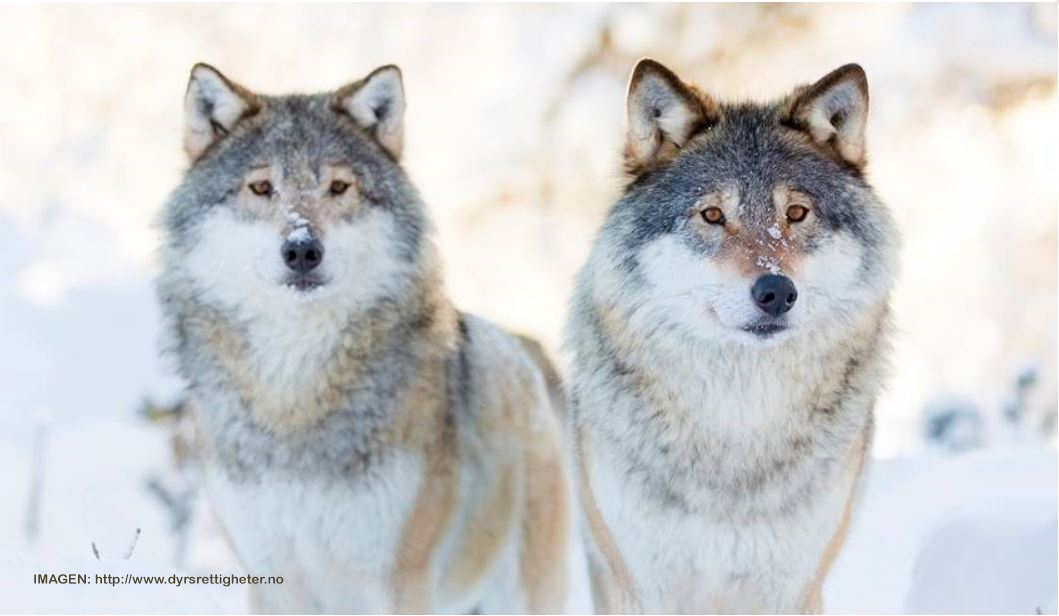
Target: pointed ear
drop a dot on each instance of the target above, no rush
(834, 111)
(377, 104)
(213, 105)
(663, 114)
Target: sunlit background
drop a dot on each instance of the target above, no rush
(514, 126)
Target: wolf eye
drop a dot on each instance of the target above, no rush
(338, 187)
(797, 213)
(261, 188)
(713, 215)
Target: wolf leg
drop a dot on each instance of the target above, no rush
(544, 549)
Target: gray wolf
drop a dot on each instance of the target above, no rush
(362, 438)
(728, 337)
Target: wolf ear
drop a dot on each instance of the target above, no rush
(663, 114)
(213, 105)
(377, 104)
(834, 111)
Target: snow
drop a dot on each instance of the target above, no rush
(971, 533)
(770, 263)
(299, 234)
(974, 533)
(296, 219)
(94, 493)
(958, 92)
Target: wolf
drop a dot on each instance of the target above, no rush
(727, 340)
(361, 438)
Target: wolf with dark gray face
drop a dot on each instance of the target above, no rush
(728, 335)
(378, 449)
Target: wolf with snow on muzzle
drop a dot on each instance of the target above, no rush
(363, 439)
(728, 337)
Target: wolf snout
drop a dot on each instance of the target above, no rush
(303, 255)
(774, 294)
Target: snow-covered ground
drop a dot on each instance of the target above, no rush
(953, 535)
(514, 128)
(974, 533)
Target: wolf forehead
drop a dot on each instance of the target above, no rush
(749, 150)
(231, 132)
(297, 136)
(293, 133)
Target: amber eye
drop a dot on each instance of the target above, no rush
(338, 187)
(713, 215)
(261, 188)
(797, 213)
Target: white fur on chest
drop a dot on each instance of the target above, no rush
(333, 540)
(688, 563)
(291, 335)
(750, 403)
(290, 351)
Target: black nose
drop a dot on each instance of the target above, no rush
(303, 256)
(774, 294)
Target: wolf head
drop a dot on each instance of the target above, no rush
(294, 202)
(749, 222)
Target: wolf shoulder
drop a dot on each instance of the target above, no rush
(510, 387)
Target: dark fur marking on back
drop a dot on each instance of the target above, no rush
(459, 370)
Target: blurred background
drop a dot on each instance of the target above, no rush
(514, 127)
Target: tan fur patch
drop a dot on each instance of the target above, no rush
(303, 198)
(424, 530)
(752, 255)
(545, 526)
(423, 427)
(612, 588)
(326, 392)
(532, 495)
(489, 526)
(814, 601)
(552, 379)
(753, 248)
(322, 396)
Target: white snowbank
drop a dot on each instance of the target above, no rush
(969, 534)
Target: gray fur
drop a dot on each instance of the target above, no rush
(399, 405)
(290, 131)
(633, 367)
(748, 145)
